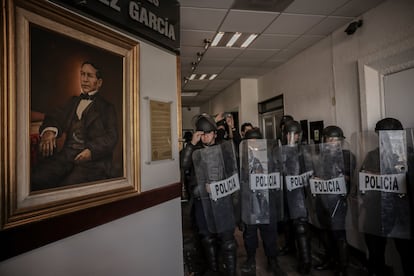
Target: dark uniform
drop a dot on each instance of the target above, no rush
(211, 241)
(331, 209)
(265, 202)
(293, 166)
(388, 210)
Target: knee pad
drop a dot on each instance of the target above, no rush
(208, 240)
(301, 228)
(229, 245)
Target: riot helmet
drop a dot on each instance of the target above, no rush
(245, 127)
(293, 132)
(284, 120)
(205, 123)
(253, 133)
(333, 132)
(388, 124)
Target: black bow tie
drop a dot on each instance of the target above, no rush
(85, 96)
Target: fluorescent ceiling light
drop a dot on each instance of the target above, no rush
(217, 38)
(233, 39)
(197, 77)
(189, 94)
(248, 40)
(212, 77)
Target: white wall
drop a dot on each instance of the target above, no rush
(228, 100)
(158, 81)
(306, 84)
(187, 115)
(329, 69)
(248, 103)
(399, 96)
(240, 97)
(145, 243)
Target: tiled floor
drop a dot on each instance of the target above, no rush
(287, 262)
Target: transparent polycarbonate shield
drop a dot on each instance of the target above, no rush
(333, 165)
(218, 180)
(410, 175)
(383, 199)
(260, 182)
(296, 179)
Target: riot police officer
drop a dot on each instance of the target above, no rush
(285, 227)
(296, 178)
(385, 209)
(332, 164)
(201, 154)
(283, 121)
(260, 202)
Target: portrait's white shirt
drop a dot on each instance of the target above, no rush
(83, 104)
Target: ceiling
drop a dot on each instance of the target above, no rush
(284, 28)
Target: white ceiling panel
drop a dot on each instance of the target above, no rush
(328, 25)
(237, 21)
(317, 7)
(196, 85)
(257, 54)
(272, 41)
(208, 70)
(195, 38)
(218, 84)
(201, 19)
(282, 35)
(217, 4)
(247, 62)
(293, 24)
(223, 52)
(355, 8)
(190, 52)
(223, 62)
(305, 41)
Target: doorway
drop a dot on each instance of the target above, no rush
(270, 113)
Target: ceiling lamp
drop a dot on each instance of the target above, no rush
(217, 39)
(233, 39)
(189, 94)
(195, 77)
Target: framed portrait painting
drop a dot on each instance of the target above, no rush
(70, 105)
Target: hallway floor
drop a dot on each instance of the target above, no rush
(193, 261)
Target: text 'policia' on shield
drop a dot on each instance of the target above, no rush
(389, 183)
(297, 181)
(263, 181)
(224, 187)
(330, 186)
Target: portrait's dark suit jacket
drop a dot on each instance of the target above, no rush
(99, 124)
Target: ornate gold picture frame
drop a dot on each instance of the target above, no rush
(44, 47)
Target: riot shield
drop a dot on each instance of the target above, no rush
(216, 172)
(332, 165)
(296, 179)
(260, 182)
(410, 176)
(383, 202)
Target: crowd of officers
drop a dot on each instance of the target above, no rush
(283, 188)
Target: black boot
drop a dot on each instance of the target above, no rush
(210, 252)
(343, 258)
(273, 267)
(249, 266)
(229, 257)
(327, 262)
(304, 250)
